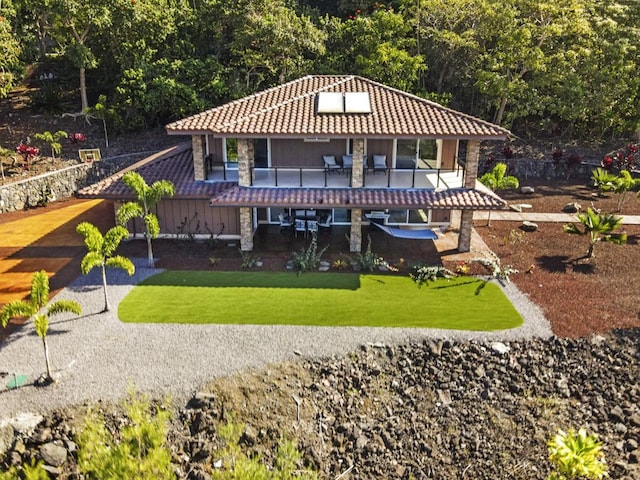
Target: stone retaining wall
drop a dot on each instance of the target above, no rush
(548, 169)
(61, 184)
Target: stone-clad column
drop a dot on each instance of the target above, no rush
(355, 236)
(199, 165)
(357, 174)
(246, 229)
(471, 163)
(470, 177)
(466, 226)
(246, 161)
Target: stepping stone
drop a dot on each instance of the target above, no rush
(527, 190)
(528, 226)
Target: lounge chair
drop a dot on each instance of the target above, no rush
(380, 163)
(330, 164)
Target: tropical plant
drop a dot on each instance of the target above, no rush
(147, 197)
(423, 274)
(602, 180)
(368, 260)
(28, 152)
(249, 259)
(309, 257)
(53, 140)
(497, 179)
(101, 250)
(622, 184)
(138, 451)
(598, 227)
(500, 272)
(576, 455)
(35, 308)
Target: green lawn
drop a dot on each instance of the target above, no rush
(320, 299)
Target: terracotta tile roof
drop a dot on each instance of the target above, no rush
(289, 110)
(174, 164)
(458, 198)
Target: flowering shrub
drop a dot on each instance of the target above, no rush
(507, 152)
(557, 155)
(574, 159)
(28, 153)
(77, 137)
(623, 159)
(462, 268)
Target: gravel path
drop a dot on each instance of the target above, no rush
(96, 357)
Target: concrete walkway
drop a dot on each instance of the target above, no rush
(544, 217)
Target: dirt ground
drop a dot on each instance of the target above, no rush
(579, 296)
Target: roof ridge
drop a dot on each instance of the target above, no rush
(270, 108)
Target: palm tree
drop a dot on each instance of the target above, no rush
(101, 252)
(497, 179)
(598, 227)
(147, 198)
(34, 308)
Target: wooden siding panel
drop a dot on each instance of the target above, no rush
(297, 153)
(448, 154)
(200, 218)
(380, 147)
(440, 216)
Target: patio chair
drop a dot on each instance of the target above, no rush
(325, 221)
(380, 163)
(330, 164)
(285, 221)
(347, 162)
(312, 226)
(301, 226)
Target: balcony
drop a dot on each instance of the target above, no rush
(289, 177)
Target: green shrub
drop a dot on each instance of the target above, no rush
(139, 451)
(35, 471)
(237, 465)
(576, 455)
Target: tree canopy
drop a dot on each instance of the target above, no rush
(533, 66)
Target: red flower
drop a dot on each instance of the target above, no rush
(607, 162)
(77, 137)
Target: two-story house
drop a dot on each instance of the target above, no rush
(338, 149)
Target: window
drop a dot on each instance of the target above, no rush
(417, 153)
(231, 152)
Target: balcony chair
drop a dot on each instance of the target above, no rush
(301, 226)
(380, 163)
(330, 164)
(347, 162)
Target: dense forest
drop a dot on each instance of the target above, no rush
(539, 67)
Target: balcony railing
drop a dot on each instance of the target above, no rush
(289, 177)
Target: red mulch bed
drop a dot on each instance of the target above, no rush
(578, 296)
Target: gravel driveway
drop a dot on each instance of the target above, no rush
(97, 357)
